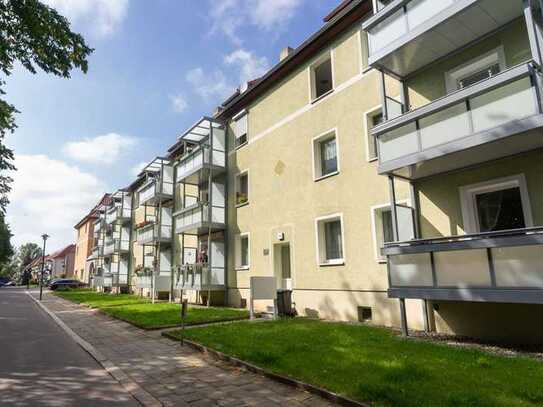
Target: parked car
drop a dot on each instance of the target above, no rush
(5, 282)
(63, 283)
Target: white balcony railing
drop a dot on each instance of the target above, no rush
(504, 266)
(198, 158)
(117, 213)
(153, 233)
(155, 189)
(199, 276)
(199, 215)
(488, 110)
(116, 246)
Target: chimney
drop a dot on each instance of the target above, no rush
(285, 52)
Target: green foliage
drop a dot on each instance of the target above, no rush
(36, 36)
(6, 249)
(375, 365)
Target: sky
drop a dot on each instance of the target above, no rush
(158, 66)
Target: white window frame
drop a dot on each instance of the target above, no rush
(239, 266)
(236, 189)
(367, 116)
(497, 55)
(469, 192)
(329, 54)
(243, 114)
(374, 209)
(321, 245)
(315, 151)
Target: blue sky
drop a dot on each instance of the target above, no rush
(157, 67)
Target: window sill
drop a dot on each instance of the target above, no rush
(241, 145)
(244, 268)
(372, 160)
(332, 263)
(322, 96)
(241, 205)
(332, 174)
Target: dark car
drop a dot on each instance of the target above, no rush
(64, 283)
(5, 282)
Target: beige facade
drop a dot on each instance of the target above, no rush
(83, 248)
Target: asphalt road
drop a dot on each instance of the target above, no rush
(40, 365)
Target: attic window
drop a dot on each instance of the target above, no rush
(321, 77)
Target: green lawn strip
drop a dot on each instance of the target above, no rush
(375, 365)
(166, 315)
(100, 300)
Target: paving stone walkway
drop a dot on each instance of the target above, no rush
(171, 374)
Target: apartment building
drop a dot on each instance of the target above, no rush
(305, 201)
(62, 262)
(85, 243)
(99, 276)
(466, 135)
(384, 171)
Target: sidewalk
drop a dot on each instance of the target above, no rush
(171, 374)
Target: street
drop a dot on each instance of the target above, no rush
(40, 365)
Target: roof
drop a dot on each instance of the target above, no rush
(93, 213)
(342, 17)
(63, 252)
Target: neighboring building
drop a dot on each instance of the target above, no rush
(85, 242)
(62, 262)
(388, 177)
(467, 135)
(35, 268)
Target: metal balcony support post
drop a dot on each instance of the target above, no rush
(403, 316)
(172, 251)
(383, 90)
(210, 214)
(533, 35)
(393, 208)
(404, 96)
(416, 208)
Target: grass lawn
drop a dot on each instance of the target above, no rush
(99, 300)
(374, 365)
(161, 315)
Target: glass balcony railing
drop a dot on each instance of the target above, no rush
(199, 276)
(152, 233)
(500, 266)
(156, 190)
(495, 108)
(118, 213)
(113, 246)
(199, 215)
(199, 158)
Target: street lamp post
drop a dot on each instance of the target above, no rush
(45, 236)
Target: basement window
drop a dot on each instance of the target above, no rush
(322, 81)
(364, 314)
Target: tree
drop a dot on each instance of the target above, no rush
(26, 254)
(6, 249)
(38, 37)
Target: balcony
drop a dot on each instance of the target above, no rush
(407, 35)
(154, 233)
(198, 219)
(155, 191)
(488, 120)
(118, 214)
(505, 266)
(116, 246)
(199, 276)
(202, 157)
(97, 251)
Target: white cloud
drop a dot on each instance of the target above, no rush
(102, 16)
(250, 65)
(49, 196)
(179, 103)
(136, 169)
(210, 86)
(228, 16)
(104, 149)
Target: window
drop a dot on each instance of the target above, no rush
(325, 155)
(321, 77)
(330, 240)
(243, 250)
(240, 128)
(382, 229)
(501, 204)
(476, 70)
(380, 4)
(373, 118)
(242, 188)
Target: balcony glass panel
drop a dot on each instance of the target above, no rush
(200, 158)
(503, 105)
(445, 126)
(398, 142)
(411, 270)
(520, 266)
(462, 268)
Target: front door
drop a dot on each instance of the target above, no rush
(283, 266)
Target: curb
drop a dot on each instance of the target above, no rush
(134, 389)
(319, 391)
